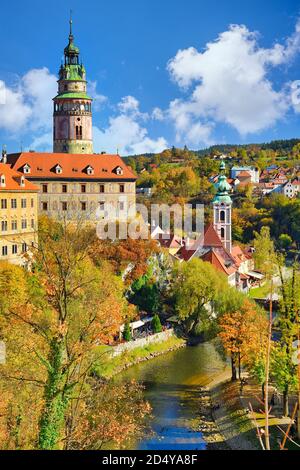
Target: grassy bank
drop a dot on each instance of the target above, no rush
(108, 366)
(260, 292)
(232, 418)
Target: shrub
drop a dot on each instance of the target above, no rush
(127, 332)
(156, 324)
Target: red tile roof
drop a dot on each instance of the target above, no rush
(211, 238)
(184, 254)
(42, 165)
(172, 242)
(238, 255)
(13, 180)
(218, 262)
(244, 277)
(243, 174)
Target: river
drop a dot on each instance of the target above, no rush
(172, 383)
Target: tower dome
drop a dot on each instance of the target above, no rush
(223, 188)
(222, 205)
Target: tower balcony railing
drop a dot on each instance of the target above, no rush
(72, 113)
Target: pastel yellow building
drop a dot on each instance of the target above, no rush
(18, 216)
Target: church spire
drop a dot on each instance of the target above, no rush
(222, 205)
(71, 24)
(223, 187)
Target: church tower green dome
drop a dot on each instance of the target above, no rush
(223, 188)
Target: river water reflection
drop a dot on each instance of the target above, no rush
(172, 385)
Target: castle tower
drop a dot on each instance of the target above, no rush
(222, 205)
(72, 118)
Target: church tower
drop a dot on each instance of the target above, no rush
(72, 118)
(222, 205)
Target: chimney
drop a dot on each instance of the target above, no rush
(2, 181)
(4, 155)
(187, 243)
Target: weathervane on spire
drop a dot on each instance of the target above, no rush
(71, 23)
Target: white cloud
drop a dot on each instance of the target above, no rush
(43, 143)
(126, 133)
(228, 83)
(28, 105)
(14, 112)
(98, 99)
(129, 104)
(158, 114)
(294, 89)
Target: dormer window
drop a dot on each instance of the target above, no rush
(119, 171)
(90, 170)
(2, 181)
(22, 181)
(58, 170)
(26, 169)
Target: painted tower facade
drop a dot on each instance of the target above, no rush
(72, 117)
(222, 205)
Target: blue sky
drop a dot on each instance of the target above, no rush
(162, 73)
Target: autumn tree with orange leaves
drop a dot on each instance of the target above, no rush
(52, 321)
(125, 256)
(243, 334)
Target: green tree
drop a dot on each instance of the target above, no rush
(284, 367)
(127, 332)
(285, 241)
(284, 372)
(156, 324)
(264, 255)
(196, 286)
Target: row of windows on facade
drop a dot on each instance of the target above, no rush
(89, 169)
(14, 203)
(14, 249)
(70, 106)
(83, 206)
(83, 188)
(14, 225)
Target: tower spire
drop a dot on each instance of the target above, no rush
(222, 205)
(71, 25)
(72, 105)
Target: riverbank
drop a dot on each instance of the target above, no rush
(108, 366)
(232, 418)
(223, 421)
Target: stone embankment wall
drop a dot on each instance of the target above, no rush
(142, 342)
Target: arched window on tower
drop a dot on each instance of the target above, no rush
(78, 130)
(222, 233)
(222, 216)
